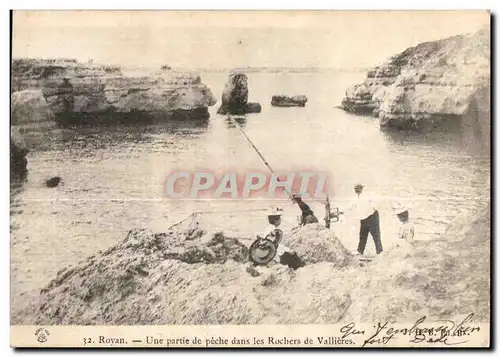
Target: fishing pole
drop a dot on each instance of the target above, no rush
(257, 151)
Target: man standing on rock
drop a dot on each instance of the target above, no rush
(365, 210)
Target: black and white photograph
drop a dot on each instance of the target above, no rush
(250, 179)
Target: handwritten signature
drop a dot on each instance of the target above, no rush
(446, 332)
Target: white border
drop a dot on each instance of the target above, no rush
(186, 4)
(255, 5)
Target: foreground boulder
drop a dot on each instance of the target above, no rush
(314, 244)
(191, 277)
(426, 84)
(235, 96)
(286, 101)
(81, 92)
(148, 270)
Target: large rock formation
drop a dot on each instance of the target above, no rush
(76, 91)
(30, 114)
(425, 84)
(32, 124)
(286, 101)
(235, 96)
(192, 277)
(30, 106)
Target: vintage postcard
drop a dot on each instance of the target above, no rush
(250, 179)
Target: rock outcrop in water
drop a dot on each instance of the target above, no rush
(425, 84)
(286, 101)
(191, 277)
(235, 96)
(77, 92)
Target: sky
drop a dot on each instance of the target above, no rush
(224, 39)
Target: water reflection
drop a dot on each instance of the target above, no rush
(17, 184)
(458, 135)
(189, 126)
(107, 136)
(242, 121)
(111, 117)
(16, 188)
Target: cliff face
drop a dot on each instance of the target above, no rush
(30, 106)
(419, 87)
(72, 87)
(31, 120)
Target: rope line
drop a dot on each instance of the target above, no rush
(182, 221)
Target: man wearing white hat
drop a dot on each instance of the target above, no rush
(365, 210)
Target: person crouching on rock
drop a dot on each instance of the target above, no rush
(284, 255)
(272, 231)
(307, 213)
(273, 234)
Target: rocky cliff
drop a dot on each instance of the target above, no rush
(192, 277)
(84, 91)
(30, 106)
(423, 85)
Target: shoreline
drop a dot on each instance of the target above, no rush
(396, 263)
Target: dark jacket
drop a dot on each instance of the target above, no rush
(306, 210)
